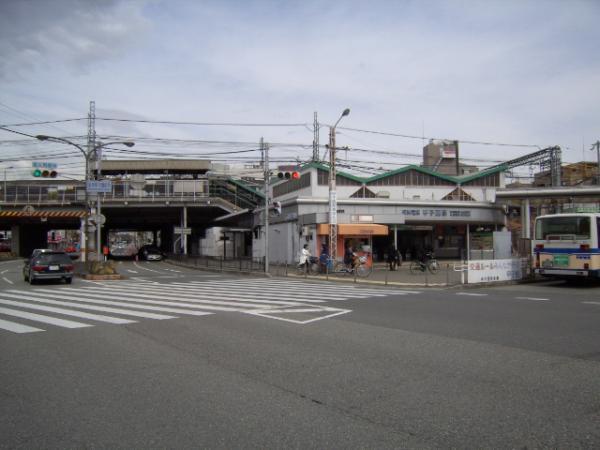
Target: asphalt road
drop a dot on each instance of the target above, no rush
(280, 363)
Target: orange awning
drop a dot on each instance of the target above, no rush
(355, 229)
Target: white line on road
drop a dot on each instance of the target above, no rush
(131, 271)
(471, 294)
(126, 312)
(592, 303)
(7, 280)
(68, 312)
(17, 327)
(534, 299)
(145, 268)
(44, 319)
(4, 271)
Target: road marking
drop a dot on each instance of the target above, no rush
(131, 271)
(4, 271)
(264, 293)
(127, 312)
(592, 303)
(68, 312)
(44, 319)
(534, 299)
(17, 327)
(471, 294)
(129, 305)
(145, 268)
(7, 280)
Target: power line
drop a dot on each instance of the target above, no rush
(220, 124)
(407, 136)
(45, 122)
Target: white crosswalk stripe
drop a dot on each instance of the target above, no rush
(146, 299)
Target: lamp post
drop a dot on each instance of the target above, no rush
(332, 190)
(87, 155)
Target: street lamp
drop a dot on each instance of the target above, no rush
(87, 155)
(332, 190)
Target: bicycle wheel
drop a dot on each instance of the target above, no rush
(433, 265)
(363, 270)
(415, 268)
(340, 268)
(301, 269)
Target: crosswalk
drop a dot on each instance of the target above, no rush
(39, 309)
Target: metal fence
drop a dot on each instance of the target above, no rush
(219, 263)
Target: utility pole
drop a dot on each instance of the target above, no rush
(597, 145)
(315, 156)
(333, 234)
(267, 175)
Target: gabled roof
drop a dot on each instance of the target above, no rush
(454, 179)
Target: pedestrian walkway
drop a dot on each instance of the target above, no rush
(86, 304)
(448, 275)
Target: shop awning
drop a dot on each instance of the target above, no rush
(355, 229)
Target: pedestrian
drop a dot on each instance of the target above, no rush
(392, 257)
(304, 257)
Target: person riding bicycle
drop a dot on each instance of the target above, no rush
(350, 258)
(304, 257)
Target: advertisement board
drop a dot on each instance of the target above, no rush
(490, 270)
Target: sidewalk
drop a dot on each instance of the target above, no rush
(382, 275)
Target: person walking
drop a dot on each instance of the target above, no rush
(393, 257)
(304, 257)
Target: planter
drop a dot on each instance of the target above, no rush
(115, 276)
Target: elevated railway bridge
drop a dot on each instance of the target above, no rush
(30, 209)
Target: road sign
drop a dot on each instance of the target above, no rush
(97, 186)
(180, 230)
(97, 219)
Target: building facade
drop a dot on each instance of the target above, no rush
(412, 208)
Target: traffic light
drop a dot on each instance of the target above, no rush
(289, 175)
(44, 173)
(277, 208)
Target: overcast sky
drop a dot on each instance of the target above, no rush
(522, 72)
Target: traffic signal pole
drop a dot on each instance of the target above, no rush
(265, 150)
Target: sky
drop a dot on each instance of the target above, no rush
(513, 72)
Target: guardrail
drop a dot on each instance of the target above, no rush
(219, 263)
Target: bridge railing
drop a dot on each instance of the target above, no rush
(70, 192)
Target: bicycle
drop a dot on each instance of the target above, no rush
(362, 269)
(430, 263)
(311, 267)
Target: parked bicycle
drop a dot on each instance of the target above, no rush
(428, 263)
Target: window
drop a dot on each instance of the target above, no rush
(554, 227)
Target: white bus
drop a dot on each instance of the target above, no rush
(566, 245)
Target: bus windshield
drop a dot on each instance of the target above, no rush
(553, 227)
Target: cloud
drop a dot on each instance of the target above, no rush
(39, 35)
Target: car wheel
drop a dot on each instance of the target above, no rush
(68, 280)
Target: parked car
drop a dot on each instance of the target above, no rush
(123, 251)
(150, 253)
(48, 265)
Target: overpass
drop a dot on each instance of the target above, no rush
(32, 208)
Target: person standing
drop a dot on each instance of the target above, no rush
(392, 257)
